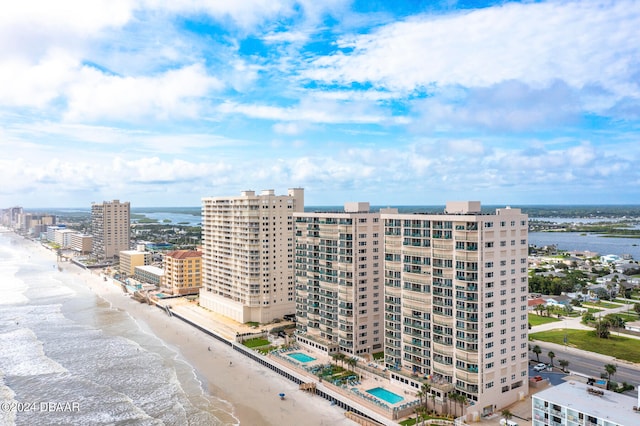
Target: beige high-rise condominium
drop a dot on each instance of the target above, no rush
(456, 304)
(110, 228)
(339, 287)
(247, 254)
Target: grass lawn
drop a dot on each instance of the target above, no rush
(628, 317)
(412, 421)
(593, 310)
(603, 305)
(616, 346)
(254, 343)
(538, 319)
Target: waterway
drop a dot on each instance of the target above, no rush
(592, 242)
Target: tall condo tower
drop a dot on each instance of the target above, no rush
(110, 228)
(339, 288)
(456, 304)
(247, 254)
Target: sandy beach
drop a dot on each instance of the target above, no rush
(252, 390)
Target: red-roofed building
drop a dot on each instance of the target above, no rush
(183, 272)
(532, 303)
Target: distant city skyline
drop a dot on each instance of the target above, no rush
(394, 103)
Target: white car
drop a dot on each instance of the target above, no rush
(540, 367)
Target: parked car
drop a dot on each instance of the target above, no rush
(540, 367)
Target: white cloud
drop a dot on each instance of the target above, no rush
(315, 111)
(35, 85)
(246, 14)
(173, 94)
(506, 106)
(30, 28)
(580, 43)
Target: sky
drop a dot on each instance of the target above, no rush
(162, 103)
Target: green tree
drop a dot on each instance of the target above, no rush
(636, 307)
(564, 364)
(551, 356)
(615, 320)
(506, 414)
(602, 328)
(587, 317)
(536, 350)
(610, 369)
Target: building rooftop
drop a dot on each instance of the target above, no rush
(151, 269)
(183, 254)
(610, 406)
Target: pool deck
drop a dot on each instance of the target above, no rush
(356, 390)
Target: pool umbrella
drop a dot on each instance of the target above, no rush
(281, 395)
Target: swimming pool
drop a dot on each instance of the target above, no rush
(300, 357)
(385, 395)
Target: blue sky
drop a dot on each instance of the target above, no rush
(394, 102)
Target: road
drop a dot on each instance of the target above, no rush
(583, 362)
(589, 364)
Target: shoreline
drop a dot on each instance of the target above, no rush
(250, 389)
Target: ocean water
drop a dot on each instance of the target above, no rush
(67, 357)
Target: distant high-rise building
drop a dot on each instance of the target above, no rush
(247, 254)
(12, 217)
(339, 287)
(36, 223)
(110, 228)
(456, 303)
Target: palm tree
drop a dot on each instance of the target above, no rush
(351, 362)
(463, 401)
(610, 369)
(454, 397)
(563, 363)
(602, 328)
(536, 350)
(506, 414)
(433, 400)
(551, 356)
(426, 388)
(335, 358)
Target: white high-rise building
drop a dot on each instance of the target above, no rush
(339, 288)
(110, 228)
(456, 303)
(247, 254)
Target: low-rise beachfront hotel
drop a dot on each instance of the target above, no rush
(247, 254)
(338, 275)
(182, 272)
(577, 404)
(455, 303)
